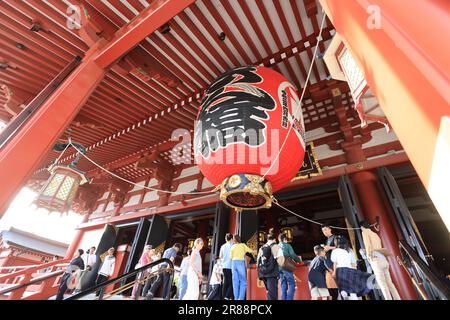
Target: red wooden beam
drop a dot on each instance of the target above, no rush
(29, 147)
(208, 201)
(150, 19)
(26, 150)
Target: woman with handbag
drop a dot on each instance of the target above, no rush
(287, 267)
(376, 255)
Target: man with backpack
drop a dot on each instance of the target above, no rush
(267, 265)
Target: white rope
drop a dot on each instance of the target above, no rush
(312, 221)
(299, 107)
(137, 184)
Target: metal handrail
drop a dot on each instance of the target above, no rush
(125, 276)
(141, 281)
(410, 259)
(35, 280)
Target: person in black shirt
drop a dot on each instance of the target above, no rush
(329, 246)
(74, 265)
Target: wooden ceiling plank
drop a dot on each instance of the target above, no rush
(210, 29)
(219, 20)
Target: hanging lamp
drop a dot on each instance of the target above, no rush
(61, 187)
(289, 232)
(262, 238)
(209, 241)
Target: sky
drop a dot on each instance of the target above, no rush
(23, 214)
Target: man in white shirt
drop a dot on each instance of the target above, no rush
(90, 259)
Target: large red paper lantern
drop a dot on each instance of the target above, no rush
(242, 123)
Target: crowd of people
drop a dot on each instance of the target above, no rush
(82, 266)
(333, 273)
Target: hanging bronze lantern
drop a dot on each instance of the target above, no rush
(61, 188)
(190, 243)
(289, 232)
(209, 242)
(262, 236)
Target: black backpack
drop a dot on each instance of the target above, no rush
(266, 263)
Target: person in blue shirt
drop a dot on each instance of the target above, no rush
(164, 277)
(224, 254)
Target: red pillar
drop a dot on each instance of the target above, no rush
(373, 203)
(398, 46)
(76, 239)
(29, 147)
(22, 155)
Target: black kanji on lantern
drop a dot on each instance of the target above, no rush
(233, 111)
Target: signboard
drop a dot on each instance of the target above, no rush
(310, 167)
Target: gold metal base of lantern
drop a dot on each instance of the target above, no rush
(246, 192)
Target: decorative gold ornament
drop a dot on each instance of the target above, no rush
(252, 243)
(160, 248)
(246, 192)
(234, 181)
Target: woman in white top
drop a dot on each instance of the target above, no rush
(107, 268)
(194, 274)
(183, 275)
(350, 281)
